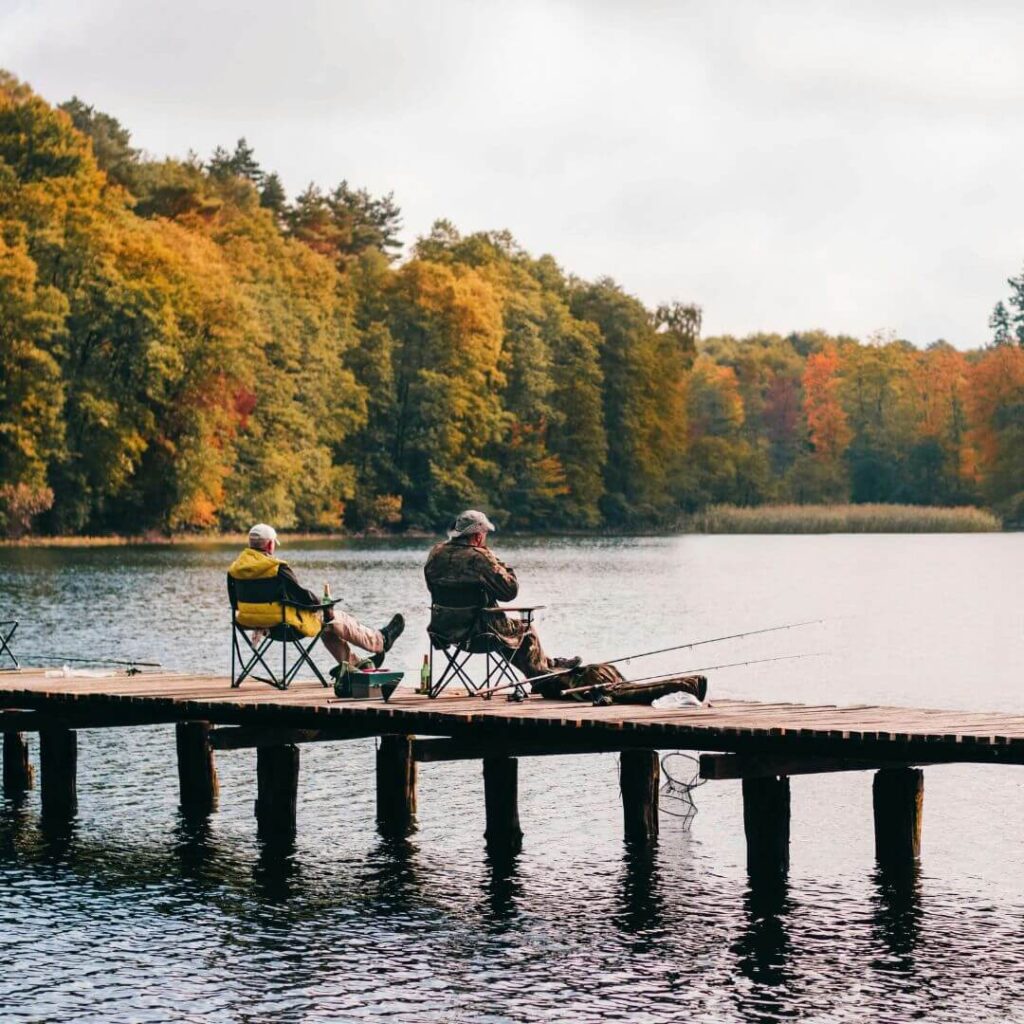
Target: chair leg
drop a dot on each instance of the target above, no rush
(303, 657)
(454, 670)
(5, 645)
(257, 658)
(501, 668)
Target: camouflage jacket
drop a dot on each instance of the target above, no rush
(462, 579)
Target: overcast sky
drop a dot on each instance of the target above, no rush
(850, 166)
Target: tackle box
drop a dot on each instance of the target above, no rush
(367, 683)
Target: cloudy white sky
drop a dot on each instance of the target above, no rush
(852, 166)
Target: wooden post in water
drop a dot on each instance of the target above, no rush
(396, 785)
(501, 803)
(277, 789)
(58, 766)
(766, 825)
(18, 772)
(197, 771)
(898, 797)
(639, 779)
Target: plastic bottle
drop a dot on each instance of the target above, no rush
(425, 675)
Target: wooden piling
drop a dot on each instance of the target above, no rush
(501, 803)
(396, 785)
(898, 798)
(198, 785)
(18, 772)
(766, 825)
(639, 780)
(277, 788)
(58, 765)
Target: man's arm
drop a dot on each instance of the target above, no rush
(499, 578)
(294, 590)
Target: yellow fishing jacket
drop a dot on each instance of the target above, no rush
(256, 584)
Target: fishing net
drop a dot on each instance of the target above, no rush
(682, 777)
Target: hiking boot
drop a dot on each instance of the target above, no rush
(391, 632)
(566, 662)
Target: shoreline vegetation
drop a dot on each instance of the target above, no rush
(869, 518)
(717, 519)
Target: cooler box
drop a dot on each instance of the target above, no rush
(366, 683)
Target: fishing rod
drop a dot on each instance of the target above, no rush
(662, 650)
(94, 661)
(693, 671)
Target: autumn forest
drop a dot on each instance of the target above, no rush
(184, 348)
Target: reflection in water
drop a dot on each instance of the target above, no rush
(897, 915)
(193, 845)
(58, 838)
(276, 872)
(640, 904)
(763, 949)
(503, 890)
(390, 876)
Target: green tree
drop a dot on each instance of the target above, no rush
(111, 141)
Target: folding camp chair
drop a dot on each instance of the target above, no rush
(497, 649)
(245, 661)
(7, 628)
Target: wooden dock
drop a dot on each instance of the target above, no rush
(760, 743)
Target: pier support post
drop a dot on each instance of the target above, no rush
(277, 788)
(639, 779)
(898, 797)
(58, 766)
(396, 785)
(766, 825)
(18, 772)
(197, 771)
(501, 802)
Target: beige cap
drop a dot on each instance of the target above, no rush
(469, 522)
(260, 534)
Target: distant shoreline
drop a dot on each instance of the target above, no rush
(759, 520)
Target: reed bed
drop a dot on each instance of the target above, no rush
(844, 519)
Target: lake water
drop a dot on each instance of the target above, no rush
(138, 915)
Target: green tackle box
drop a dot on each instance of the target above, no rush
(364, 684)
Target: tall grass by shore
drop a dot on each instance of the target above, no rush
(843, 519)
(714, 519)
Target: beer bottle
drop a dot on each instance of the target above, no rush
(425, 675)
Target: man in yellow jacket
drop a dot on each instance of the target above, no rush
(257, 604)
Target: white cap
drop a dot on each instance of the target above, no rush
(260, 534)
(469, 522)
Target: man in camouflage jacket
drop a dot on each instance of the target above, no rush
(464, 577)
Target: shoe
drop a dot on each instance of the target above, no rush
(566, 662)
(391, 632)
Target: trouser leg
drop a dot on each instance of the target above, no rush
(346, 629)
(529, 657)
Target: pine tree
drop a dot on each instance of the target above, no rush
(273, 196)
(999, 322)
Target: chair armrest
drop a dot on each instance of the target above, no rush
(320, 607)
(497, 610)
